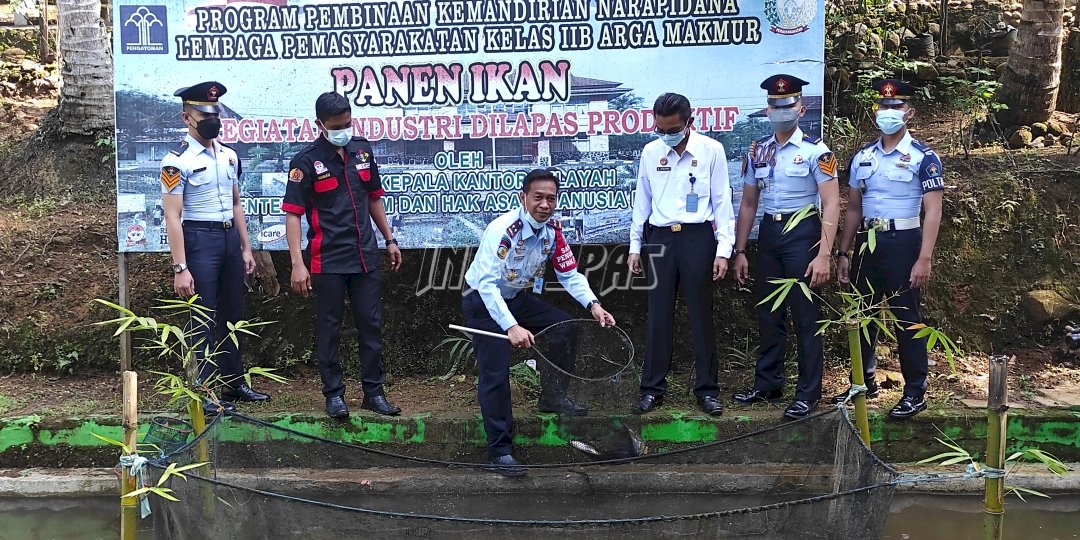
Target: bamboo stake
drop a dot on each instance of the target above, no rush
(997, 407)
(125, 337)
(862, 420)
(129, 510)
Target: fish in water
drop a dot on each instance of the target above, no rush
(633, 447)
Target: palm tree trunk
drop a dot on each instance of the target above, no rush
(1069, 95)
(86, 94)
(1033, 73)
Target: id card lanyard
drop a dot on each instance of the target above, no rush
(692, 198)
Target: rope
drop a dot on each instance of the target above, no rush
(542, 522)
(855, 390)
(461, 464)
(136, 466)
(971, 471)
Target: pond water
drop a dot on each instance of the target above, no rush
(916, 517)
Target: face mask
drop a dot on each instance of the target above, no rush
(672, 139)
(784, 120)
(339, 137)
(890, 121)
(532, 222)
(208, 128)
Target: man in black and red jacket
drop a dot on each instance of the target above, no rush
(334, 182)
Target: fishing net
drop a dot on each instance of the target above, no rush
(608, 474)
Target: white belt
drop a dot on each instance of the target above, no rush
(885, 224)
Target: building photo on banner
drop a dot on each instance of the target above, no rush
(460, 98)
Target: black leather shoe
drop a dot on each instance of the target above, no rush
(212, 407)
(562, 405)
(711, 406)
(648, 403)
(243, 392)
(380, 405)
(506, 466)
(758, 396)
(909, 406)
(336, 407)
(799, 409)
(871, 393)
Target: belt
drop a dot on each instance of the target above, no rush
(781, 217)
(679, 227)
(227, 224)
(883, 224)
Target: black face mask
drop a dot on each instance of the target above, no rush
(208, 128)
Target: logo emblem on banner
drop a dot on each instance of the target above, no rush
(144, 30)
(789, 17)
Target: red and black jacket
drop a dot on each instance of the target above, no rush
(334, 194)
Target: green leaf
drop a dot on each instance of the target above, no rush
(794, 220)
(934, 459)
(113, 442)
(871, 239)
(806, 291)
(1019, 491)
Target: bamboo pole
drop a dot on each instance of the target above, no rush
(125, 337)
(129, 510)
(862, 421)
(997, 407)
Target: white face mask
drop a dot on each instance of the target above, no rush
(532, 221)
(890, 121)
(339, 137)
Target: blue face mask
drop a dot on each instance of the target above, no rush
(339, 137)
(672, 139)
(890, 121)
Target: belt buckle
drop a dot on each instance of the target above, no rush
(676, 227)
(227, 224)
(881, 224)
(778, 217)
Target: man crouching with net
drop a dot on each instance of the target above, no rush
(505, 281)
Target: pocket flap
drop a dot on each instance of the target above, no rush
(322, 186)
(798, 170)
(899, 175)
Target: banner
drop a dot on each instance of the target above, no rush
(460, 98)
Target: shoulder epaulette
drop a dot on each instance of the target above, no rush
(867, 145)
(514, 228)
(812, 139)
(763, 140)
(921, 146)
(179, 149)
(554, 224)
(305, 150)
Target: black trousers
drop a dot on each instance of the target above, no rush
(787, 256)
(677, 259)
(364, 294)
(888, 271)
(493, 360)
(217, 266)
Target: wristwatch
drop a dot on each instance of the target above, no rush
(588, 307)
(392, 241)
(837, 254)
(179, 267)
(738, 252)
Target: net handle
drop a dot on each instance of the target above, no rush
(478, 332)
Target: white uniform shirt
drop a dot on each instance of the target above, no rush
(205, 180)
(512, 257)
(664, 182)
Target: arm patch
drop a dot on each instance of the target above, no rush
(170, 177)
